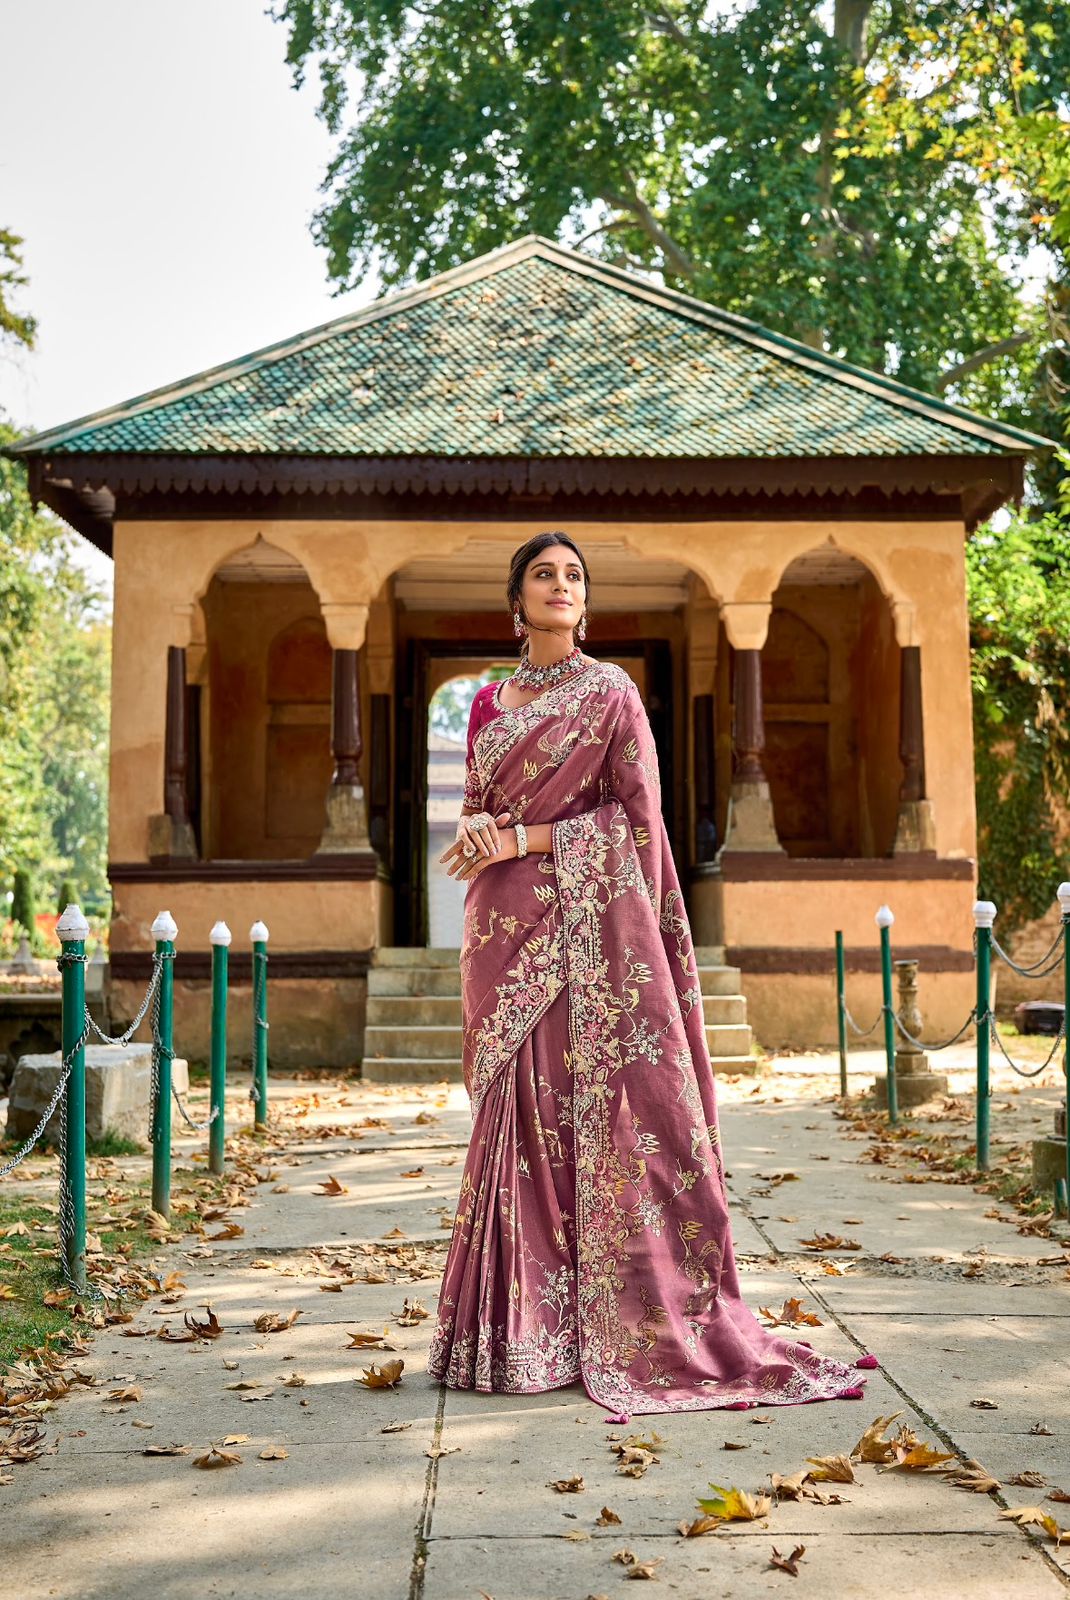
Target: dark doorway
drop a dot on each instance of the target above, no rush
(411, 707)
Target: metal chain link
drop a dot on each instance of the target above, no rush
(1036, 969)
(863, 1033)
(150, 993)
(934, 1048)
(1025, 1072)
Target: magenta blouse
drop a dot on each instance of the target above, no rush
(483, 711)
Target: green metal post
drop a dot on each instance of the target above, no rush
(164, 932)
(258, 933)
(219, 938)
(1064, 907)
(884, 920)
(841, 1019)
(71, 930)
(984, 914)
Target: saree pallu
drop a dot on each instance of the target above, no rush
(592, 1238)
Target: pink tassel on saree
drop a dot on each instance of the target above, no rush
(592, 1240)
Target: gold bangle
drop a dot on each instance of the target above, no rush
(521, 840)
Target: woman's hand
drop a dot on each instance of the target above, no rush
(486, 844)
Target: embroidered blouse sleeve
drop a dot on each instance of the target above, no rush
(473, 780)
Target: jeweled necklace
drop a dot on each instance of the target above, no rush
(529, 676)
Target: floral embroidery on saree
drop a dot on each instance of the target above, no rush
(581, 990)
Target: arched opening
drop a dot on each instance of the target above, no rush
(830, 685)
(266, 709)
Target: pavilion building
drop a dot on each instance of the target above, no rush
(310, 540)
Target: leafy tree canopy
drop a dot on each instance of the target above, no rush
(873, 176)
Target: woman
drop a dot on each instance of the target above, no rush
(592, 1237)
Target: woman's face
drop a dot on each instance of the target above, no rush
(552, 593)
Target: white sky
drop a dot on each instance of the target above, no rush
(162, 172)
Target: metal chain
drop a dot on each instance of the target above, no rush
(150, 993)
(65, 1072)
(1025, 1072)
(157, 1045)
(917, 1043)
(863, 1033)
(1033, 968)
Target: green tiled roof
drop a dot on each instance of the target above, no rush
(536, 350)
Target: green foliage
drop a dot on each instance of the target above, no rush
(15, 327)
(68, 896)
(451, 703)
(1019, 595)
(24, 902)
(871, 177)
(54, 685)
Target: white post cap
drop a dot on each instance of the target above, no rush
(885, 917)
(220, 934)
(984, 913)
(165, 927)
(1063, 897)
(72, 925)
(258, 933)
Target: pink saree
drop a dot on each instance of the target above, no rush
(592, 1239)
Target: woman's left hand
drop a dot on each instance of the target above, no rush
(472, 866)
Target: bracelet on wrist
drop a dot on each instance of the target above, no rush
(521, 840)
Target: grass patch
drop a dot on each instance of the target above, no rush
(114, 1144)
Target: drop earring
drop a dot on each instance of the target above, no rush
(581, 631)
(518, 626)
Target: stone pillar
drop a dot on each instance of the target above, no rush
(915, 830)
(170, 833)
(915, 1081)
(705, 786)
(750, 824)
(347, 823)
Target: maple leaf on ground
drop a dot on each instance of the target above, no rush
(606, 1518)
(330, 1186)
(735, 1505)
(829, 1241)
(573, 1485)
(791, 1315)
(369, 1341)
(831, 1469)
(166, 1450)
(790, 1563)
(1029, 1516)
(210, 1329)
(414, 1311)
(1029, 1480)
(274, 1321)
(873, 1446)
(701, 1525)
(971, 1475)
(789, 1488)
(274, 1452)
(645, 1569)
(914, 1456)
(233, 1230)
(388, 1376)
(218, 1457)
(128, 1396)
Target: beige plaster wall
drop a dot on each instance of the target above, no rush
(162, 571)
(335, 914)
(798, 1010)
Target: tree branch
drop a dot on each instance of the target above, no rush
(981, 358)
(678, 262)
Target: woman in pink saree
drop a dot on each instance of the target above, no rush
(592, 1240)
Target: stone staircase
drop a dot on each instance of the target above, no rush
(413, 1028)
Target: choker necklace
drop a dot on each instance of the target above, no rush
(528, 676)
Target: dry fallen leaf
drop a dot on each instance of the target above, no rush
(984, 1405)
(734, 1505)
(395, 1427)
(210, 1329)
(573, 1485)
(829, 1241)
(274, 1321)
(274, 1452)
(233, 1230)
(873, 1446)
(1029, 1480)
(414, 1311)
(701, 1525)
(388, 1376)
(128, 1396)
(645, 1569)
(166, 1450)
(369, 1341)
(1028, 1516)
(606, 1518)
(790, 1563)
(971, 1475)
(330, 1186)
(831, 1469)
(218, 1457)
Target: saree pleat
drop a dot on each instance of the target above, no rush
(593, 1237)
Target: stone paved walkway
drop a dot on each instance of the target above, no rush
(418, 1494)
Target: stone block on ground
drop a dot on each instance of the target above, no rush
(117, 1083)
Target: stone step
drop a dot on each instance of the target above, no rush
(720, 980)
(709, 955)
(414, 981)
(412, 1069)
(745, 1066)
(416, 956)
(414, 1010)
(419, 1041)
(728, 1039)
(724, 1008)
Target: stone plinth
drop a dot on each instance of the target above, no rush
(1049, 1155)
(117, 1083)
